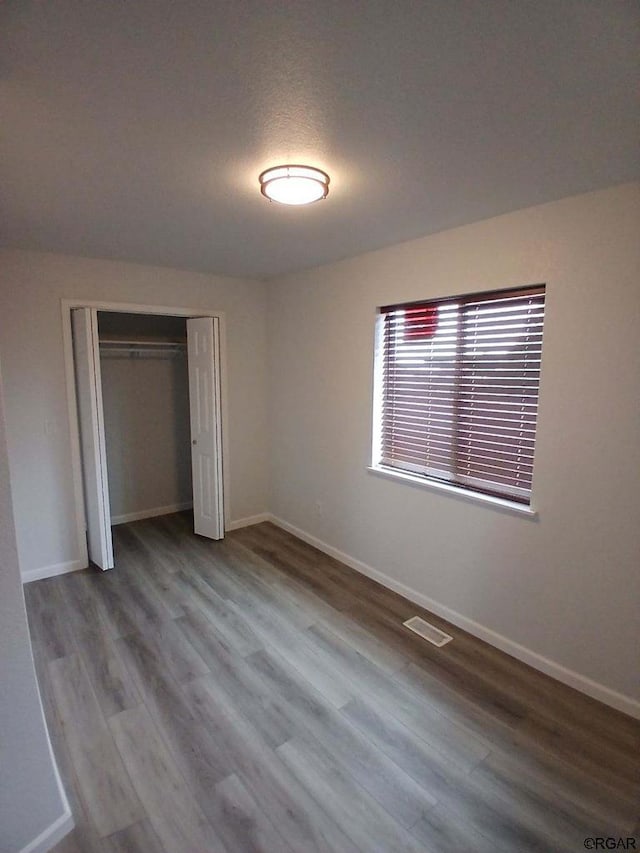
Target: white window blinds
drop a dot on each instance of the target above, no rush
(458, 389)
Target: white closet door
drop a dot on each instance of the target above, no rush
(92, 437)
(203, 348)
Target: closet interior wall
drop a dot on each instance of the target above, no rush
(145, 389)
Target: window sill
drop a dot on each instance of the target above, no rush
(454, 491)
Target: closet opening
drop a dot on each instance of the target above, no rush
(145, 395)
(148, 398)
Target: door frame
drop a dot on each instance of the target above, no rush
(66, 306)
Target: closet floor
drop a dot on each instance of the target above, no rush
(254, 694)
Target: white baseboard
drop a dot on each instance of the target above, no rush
(598, 691)
(150, 513)
(52, 571)
(247, 522)
(51, 835)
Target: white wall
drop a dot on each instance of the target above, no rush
(146, 422)
(31, 801)
(31, 287)
(565, 586)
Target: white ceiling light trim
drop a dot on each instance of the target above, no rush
(294, 184)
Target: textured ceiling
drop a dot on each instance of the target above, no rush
(136, 130)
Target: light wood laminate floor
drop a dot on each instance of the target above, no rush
(256, 695)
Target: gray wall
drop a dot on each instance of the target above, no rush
(30, 799)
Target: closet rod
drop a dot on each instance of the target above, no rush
(139, 349)
(139, 344)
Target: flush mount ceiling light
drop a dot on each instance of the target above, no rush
(294, 184)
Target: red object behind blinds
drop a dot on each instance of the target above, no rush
(420, 323)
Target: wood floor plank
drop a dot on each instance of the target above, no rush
(609, 796)
(125, 608)
(508, 824)
(555, 814)
(396, 791)
(386, 657)
(106, 790)
(445, 832)
(358, 814)
(168, 548)
(329, 580)
(553, 704)
(241, 570)
(177, 653)
(316, 592)
(235, 678)
(163, 641)
(241, 823)
(149, 606)
(462, 703)
(615, 767)
(84, 837)
(137, 838)
(177, 820)
(356, 587)
(236, 631)
(196, 750)
(291, 644)
(298, 817)
(123, 541)
(259, 578)
(611, 805)
(456, 743)
(47, 624)
(114, 689)
(228, 572)
(156, 582)
(267, 698)
(78, 842)
(229, 575)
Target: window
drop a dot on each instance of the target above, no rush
(457, 390)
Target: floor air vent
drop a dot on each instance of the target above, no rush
(426, 631)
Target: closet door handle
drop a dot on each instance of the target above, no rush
(194, 441)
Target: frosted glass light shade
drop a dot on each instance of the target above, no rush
(294, 184)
